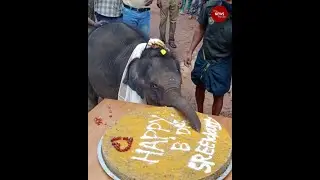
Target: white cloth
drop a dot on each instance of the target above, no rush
(125, 92)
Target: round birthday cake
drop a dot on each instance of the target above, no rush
(157, 143)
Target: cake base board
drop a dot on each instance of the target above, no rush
(114, 177)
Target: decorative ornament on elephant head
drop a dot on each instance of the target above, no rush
(141, 70)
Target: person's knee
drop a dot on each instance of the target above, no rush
(174, 14)
(173, 17)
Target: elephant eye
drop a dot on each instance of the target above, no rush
(154, 86)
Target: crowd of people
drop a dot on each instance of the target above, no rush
(191, 7)
(137, 14)
(212, 70)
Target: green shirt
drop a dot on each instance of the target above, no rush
(217, 40)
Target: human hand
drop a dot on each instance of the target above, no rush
(179, 3)
(159, 3)
(148, 2)
(187, 59)
(99, 23)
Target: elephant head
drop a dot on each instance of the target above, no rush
(157, 78)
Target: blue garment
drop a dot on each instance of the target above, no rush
(215, 75)
(140, 20)
(106, 19)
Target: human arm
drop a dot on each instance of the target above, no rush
(95, 24)
(90, 22)
(198, 35)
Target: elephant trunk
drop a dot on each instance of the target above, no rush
(174, 99)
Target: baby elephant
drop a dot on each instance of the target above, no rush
(155, 76)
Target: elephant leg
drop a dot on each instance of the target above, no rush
(92, 97)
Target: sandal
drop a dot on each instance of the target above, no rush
(172, 44)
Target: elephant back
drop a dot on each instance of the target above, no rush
(109, 48)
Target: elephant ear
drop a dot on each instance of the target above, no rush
(133, 79)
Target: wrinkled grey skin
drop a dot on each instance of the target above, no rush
(154, 77)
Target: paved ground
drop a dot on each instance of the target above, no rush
(184, 33)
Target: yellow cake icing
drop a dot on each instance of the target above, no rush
(172, 147)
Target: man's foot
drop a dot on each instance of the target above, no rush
(190, 16)
(172, 44)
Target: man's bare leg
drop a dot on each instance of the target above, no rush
(200, 94)
(217, 105)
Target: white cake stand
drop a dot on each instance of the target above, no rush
(114, 177)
